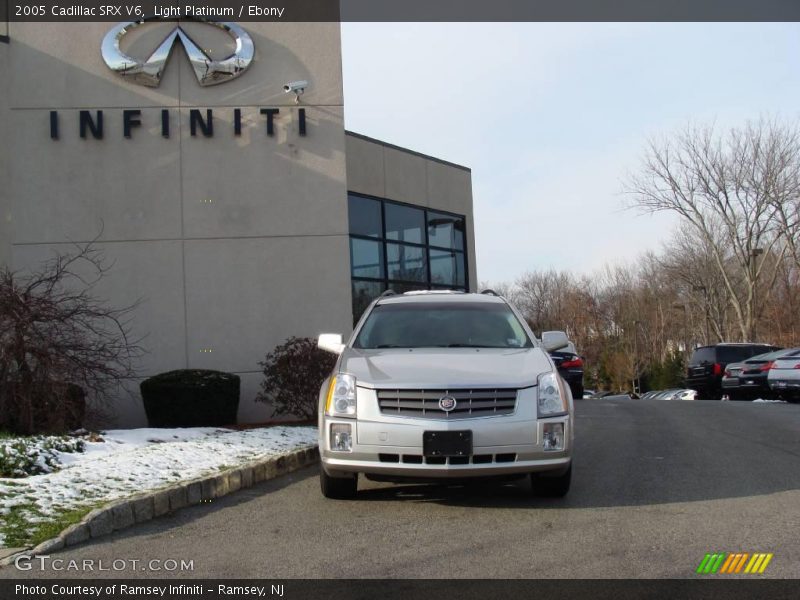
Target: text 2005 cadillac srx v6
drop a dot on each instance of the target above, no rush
(437, 386)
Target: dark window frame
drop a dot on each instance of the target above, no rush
(5, 9)
(426, 246)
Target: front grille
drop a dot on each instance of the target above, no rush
(469, 403)
(477, 459)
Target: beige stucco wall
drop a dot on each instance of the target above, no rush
(231, 244)
(381, 170)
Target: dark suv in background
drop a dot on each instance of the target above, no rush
(708, 363)
(569, 365)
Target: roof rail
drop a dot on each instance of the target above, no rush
(490, 292)
(388, 293)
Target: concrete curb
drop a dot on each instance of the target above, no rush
(122, 514)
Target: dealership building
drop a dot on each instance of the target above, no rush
(237, 213)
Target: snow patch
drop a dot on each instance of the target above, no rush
(129, 462)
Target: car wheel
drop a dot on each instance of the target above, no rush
(548, 486)
(338, 488)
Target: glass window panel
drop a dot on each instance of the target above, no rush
(402, 288)
(446, 231)
(366, 258)
(364, 215)
(407, 263)
(404, 224)
(447, 268)
(364, 292)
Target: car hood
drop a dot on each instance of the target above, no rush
(445, 368)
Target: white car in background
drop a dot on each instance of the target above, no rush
(783, 376)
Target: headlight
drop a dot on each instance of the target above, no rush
(552, 399)
(341, 396)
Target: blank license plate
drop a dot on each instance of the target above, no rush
(447, 443)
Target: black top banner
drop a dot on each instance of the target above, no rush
(404, 10)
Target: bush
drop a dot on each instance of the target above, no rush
(24, 456)
(59, 342)
(191, 398)
(293, 374)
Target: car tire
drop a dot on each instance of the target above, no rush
(338, 488)
(547, 486)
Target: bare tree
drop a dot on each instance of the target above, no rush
(726, 188)
(689, 265)
(56, 334)
(541, 296)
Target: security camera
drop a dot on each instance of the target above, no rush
(298, 87)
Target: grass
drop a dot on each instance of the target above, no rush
(19, 527)
(20, 532)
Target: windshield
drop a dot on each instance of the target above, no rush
(442, 325)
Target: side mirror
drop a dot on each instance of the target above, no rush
(554, 340)
(331, 342)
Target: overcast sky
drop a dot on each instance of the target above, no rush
(550, 118)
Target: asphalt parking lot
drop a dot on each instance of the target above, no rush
(656, 485)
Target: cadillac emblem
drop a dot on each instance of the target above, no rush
(447, 403)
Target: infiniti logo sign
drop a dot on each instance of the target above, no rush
(207, 70)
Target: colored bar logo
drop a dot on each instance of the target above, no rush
(734, 562)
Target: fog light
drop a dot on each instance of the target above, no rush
(341, 437)
(553, 436)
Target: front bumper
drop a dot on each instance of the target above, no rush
(391, 446)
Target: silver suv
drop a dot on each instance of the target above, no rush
(439, 386)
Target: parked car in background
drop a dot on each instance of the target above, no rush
(667, 394)
(730, 380)
(588, 394)
(444, 386)
(749, 379)
(783, 376)
(569, 365)
(707, 365)
(670, 394)
(602, 394)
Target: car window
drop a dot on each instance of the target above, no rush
(442, 325)
(729, 354)
(766, 356)
(702, 355)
